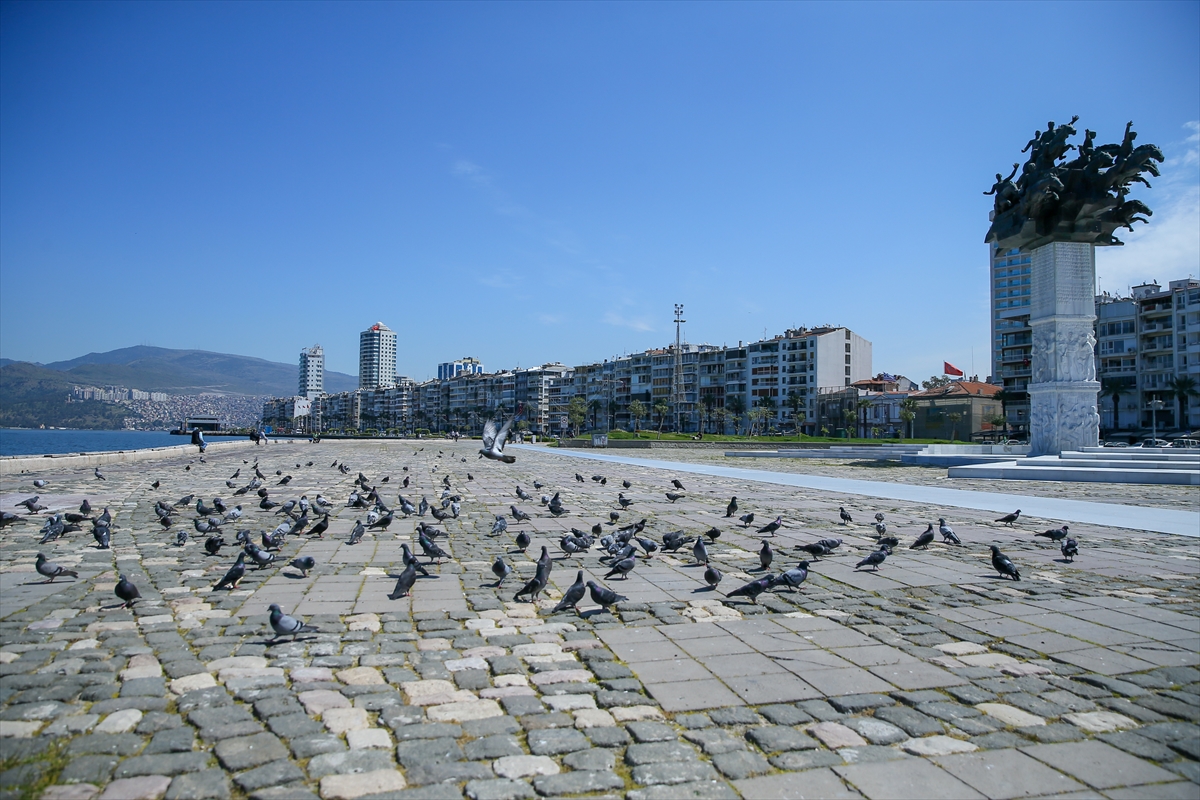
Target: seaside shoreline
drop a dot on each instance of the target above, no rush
(25, 464)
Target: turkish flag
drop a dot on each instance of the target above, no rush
(950, 369)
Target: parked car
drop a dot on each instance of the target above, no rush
(1153, 443)
(1187, 444)
(1115, 444)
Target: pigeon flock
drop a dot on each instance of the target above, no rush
(618, 545)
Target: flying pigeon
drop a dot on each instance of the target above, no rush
(126, 592)
(51, 570)
(282, 624)
(1004, 564)
(493, 441)
(1070, 549)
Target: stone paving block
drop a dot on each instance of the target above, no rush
(147, 787)
(876, 731)
(581, 782)
(1180, 790)
(1003, 774)
(815, 784)
(674, 773)
(498, 789)
(1097, 764)
(1010, 715)
(355, 785)
(901, 780)
(740, 764)
(165, 764)
(249, 751)
(277, 773)
(556, 741)
(834, 735)
(638, 754)
(937, 746)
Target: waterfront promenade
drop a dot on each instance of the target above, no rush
(930, 678)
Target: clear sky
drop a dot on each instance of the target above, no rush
(535, 182)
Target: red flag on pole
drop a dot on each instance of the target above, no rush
(950, 369)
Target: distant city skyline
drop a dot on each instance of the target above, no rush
(534, 182)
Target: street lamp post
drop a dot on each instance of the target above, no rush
(1156, 405)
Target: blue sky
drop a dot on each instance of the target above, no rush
(535, 182)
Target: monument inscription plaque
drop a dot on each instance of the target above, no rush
(1060, 211)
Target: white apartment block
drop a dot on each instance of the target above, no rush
(312, 372)
(377, 357)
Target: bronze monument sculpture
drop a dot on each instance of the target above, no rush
(1060, 210)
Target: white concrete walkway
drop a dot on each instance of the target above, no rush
(1157, 520)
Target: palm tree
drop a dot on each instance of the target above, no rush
(661, 408)
(637, 410)
(1182, 388)
(707, 403)
(851, 417)
(795, 402)
(1006, 396)
(594, 406)
(736, 406)
(719, 416)
(863, 404)
(577, 412)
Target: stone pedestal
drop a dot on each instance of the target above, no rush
(1063, 389)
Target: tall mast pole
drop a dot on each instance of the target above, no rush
(677, 389)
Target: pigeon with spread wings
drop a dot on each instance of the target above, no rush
(493, 441)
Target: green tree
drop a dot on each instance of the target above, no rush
(577, 412)
(1182, 388)
(662, 409)
(707, 403)
(795, 402)
(719, 416)
(908, 413)
(637, 410)
(595, 406)
(935, 382)
(1006, 396)
(736, 406)
(851, 416)
(954, 417)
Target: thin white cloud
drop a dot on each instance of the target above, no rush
(620, 321)
(1168, 248)
(549, 319)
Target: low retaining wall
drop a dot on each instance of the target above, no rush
(16, 465)
(655, 444)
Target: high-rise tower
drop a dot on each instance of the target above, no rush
(377, 357)
(312, 372)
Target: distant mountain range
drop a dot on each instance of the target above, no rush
(159, 369)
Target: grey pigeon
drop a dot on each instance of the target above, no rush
(96, 471)
(623, 500)
(948, 534)
(712, 576)
(924, 540)
(713, 534)
(622, 568)
(845, 515)
(319, 529)
(673, 496)
(603, 596)
(501, 570)
(40, 484)
(522, 494)
(771, 527)
(765, 556)
(572, 596)
(404, 583)
(531, 589)
(523, 541)
(1055, 536)
(794, 576)
(732, 508)
(260, 556)
(409, 558)
(357, 533)
(103, 537)
(304, 564)
(51, 570)
(1004, 564)
(747, 519)
(613, 516)
(181, 537)
(126, 592)
(754, 588)
(700, 552)
(816, 549)
(234, 575)
(874, 560)
(499, 526)
(1009, 519)
(284, 625)
(518, 514)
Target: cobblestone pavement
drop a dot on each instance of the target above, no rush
(930, 678)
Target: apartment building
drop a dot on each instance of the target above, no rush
(1012, 337)
(312, 372)
(288, 414)
(377, 357)
(452, 369)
